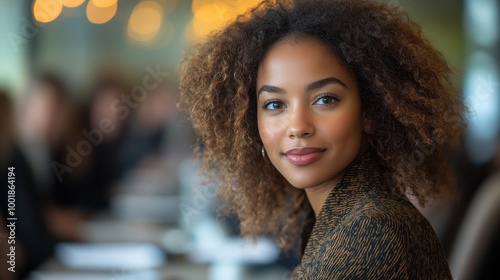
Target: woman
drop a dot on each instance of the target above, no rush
(317, 118)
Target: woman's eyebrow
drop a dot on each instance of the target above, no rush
(271, 89)
(312, 86)
(323, 82)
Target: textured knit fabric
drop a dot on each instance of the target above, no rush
(366, 231)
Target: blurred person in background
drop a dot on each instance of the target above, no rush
(44, 117)
(42, 125)
(7, 139)
(158, 139)
(34, 242)
(149, 129)
(104, 124)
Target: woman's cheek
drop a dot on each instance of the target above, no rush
(270, 131)
(266, 135)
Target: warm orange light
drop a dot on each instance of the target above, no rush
(212, 13)
(46, 10)
(243, 6)
(201, 29)
(72, 3)
(104, 3)
(100, 15)
(197, 4)
(198, 30)
(225, 8)
(145, 21)
(189, 35)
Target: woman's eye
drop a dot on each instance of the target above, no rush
(326, 100)
(274, 105)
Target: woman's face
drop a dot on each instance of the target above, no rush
(309, 113)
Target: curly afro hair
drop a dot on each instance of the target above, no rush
(415, 112)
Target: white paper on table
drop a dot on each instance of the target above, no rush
(110, 256)
(236, 250)
(143, 275)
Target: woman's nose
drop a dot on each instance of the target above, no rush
(300, 123)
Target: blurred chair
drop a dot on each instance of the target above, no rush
(478, 231)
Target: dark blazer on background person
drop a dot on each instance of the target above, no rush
(31, 228)
(367, 231)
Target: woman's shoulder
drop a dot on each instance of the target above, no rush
(394, 211)
(390, 229)
(384, 238)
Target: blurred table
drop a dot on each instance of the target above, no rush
(105, 230)
(171, 271)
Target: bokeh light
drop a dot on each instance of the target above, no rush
(482, 96)
(210, 15)
(100, 15)
(145, 21)
(72, 3)
(484, 21)
(47, 10)
(104, 3)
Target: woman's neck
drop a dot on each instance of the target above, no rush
(317, 195)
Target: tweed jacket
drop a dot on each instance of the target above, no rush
(367, 231)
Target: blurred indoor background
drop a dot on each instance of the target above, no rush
(105, 184)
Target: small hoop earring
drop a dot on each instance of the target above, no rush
(263, 152)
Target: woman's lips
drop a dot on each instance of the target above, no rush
(304, 156)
